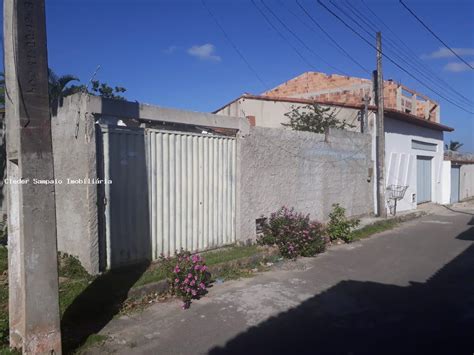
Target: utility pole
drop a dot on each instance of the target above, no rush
(380, 133)
(32, 246)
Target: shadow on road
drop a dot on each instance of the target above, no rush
(97, 305)
(356, 317)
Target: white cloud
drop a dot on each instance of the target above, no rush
(443, 52)
(457, 67)
(170, 49)
(204, 52)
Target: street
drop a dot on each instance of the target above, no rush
(408, 290)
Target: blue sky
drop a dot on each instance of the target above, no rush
(172, 54)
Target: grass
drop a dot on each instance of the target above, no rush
(374, 228)
(157, 273)
(84, 298)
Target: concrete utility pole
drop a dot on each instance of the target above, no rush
(380, 134)
(33, 273)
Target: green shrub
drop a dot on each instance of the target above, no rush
(187, 276)
(339, 226)
(293, 233)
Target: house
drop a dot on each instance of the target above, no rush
(460, 174)
(413, 132)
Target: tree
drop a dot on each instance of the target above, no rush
(453, 146)
(314, 118)
(102, 90)
(58, 88)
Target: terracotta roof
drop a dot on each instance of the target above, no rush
(392, 113)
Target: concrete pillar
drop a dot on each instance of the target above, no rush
(33, 274)
(399, 98)
(414, 102)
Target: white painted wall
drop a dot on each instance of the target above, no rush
(466, 186)
(400, 159)
(446, 182)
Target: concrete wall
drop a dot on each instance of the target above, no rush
(466, 186)
(303, 170)
(446, 182)
(271, 114)
(74, 146)
(400, 159)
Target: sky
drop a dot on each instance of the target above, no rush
(172, 53)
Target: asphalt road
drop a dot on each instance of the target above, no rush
(409, 290)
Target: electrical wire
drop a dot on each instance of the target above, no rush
(236, 49)
(333, 41)
(434, 34)
(415, 65)
(297, 37)
(411, 53)
(390, 59)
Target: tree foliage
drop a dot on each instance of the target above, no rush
(453, 146)
(58, 87)
(314, 118)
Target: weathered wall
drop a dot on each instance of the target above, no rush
(303, 170)
(466, 186)
(271, 114)
(74, 146)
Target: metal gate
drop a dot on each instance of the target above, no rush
(192, 191)
(125, 233)
(455, 180)
(423, 179)
(169, 190)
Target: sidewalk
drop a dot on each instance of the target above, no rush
(413, 283)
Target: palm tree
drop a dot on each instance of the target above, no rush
(58, 88)
(453, 146)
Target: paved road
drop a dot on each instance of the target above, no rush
(409, 290)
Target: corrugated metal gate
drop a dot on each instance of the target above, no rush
(169, 190)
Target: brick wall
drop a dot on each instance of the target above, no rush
(339, 88)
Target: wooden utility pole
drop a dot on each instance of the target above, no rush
(380, 133)
(32, 246)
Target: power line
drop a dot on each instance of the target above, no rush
(294, 35)
(389, 58)
(395, 49)
(282, 36)
(252, 69)
(409, 53)
(434, 34)
(331, 38)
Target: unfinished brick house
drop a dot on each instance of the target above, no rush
(413, 133)
(349, 90)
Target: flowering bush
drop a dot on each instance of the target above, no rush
(339, 226)
(188, 276)
(293, 233)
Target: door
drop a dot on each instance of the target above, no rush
(455, 170)
(423, 179)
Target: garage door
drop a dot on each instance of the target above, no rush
(423, 179)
